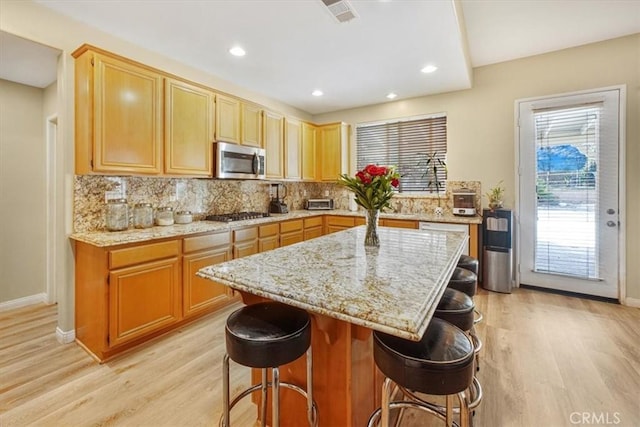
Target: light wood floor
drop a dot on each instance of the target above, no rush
(546, 357)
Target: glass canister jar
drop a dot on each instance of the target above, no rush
(183, 217)
(143, 215)
(117, 215)
(164, 215)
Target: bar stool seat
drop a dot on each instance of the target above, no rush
(469, 263)
(268, 335)
(441, 363)
(464, 281)
(456, 308)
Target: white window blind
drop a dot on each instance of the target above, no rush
(568, 158)
(406, 144)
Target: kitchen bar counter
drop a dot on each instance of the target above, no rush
(393, 289)
(349, 291)
(132, 235)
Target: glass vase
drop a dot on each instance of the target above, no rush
(371, 238)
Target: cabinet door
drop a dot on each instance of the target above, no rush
(330, 152)
(268, 243)
(127, 107)
(312, 233)
(291, 238)
(274, 144)
(251, 119)
(309, 133)
(200, 294)
(247, 248)
(292, 149)
(188, 129)
(227, 119)
(143, 299)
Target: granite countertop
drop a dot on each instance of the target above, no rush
(132, 235)
(392, 289)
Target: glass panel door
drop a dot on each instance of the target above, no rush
(569, 193)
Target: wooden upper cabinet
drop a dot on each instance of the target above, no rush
(188, 130)
(274, 144)
(118, 115)
(251, 120)
(292, 149)
(332, 151)
(227, 119)
(309, 135)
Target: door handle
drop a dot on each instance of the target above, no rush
(611, 223)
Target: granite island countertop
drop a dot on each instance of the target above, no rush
(392, 289)
(133, 235)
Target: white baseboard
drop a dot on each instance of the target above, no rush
(65, 337)
(632, 302)
(23, 302)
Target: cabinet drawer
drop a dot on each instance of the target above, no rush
(145, 253)
(198, 243)
(316, 221)
(243, 234)
(341, 221)
(268, 230)
(289, 226)
(291, 238)
(399, 223)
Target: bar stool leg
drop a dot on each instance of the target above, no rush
(275, 398)
(464, 409)
(225, 391)
(449, 410)
(263, 402)
(310, 417)
(386, 399)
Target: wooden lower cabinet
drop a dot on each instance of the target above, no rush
(268, 237)
(399, 223)
(291, 232)
(200, 295)
(245, 242)
(143, 299)
(313, 227)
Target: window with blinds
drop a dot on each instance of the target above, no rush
(407, 144)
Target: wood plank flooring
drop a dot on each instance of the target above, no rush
(549, 360)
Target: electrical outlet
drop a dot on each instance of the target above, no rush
(304, 193)
(326, 193)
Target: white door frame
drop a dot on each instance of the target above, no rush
(622, 258)
(51, 140)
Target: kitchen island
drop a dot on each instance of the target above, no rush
(349, 290)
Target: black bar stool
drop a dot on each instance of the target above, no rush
(466, 281)
(268, 335)
(441, 363)
(468, 263)
(457, 308)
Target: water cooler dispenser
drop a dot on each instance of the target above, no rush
(497, 237)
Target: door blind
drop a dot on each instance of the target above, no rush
(568, 148)
(407, 145)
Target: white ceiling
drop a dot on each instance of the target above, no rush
(294, 47)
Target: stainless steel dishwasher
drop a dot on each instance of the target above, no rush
(442, 226)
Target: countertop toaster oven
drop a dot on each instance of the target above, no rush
(318, 204)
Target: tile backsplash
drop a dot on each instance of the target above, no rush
(211, 196)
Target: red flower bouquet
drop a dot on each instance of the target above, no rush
(373, 186)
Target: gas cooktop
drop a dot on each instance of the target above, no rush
(237, 216)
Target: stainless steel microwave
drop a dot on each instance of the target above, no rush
(238, 161)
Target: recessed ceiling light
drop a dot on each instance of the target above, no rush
(429, 69)
(237, 51)
(317, 92)
(391, 95)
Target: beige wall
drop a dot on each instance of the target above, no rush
(22, 191)
(481, 135)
